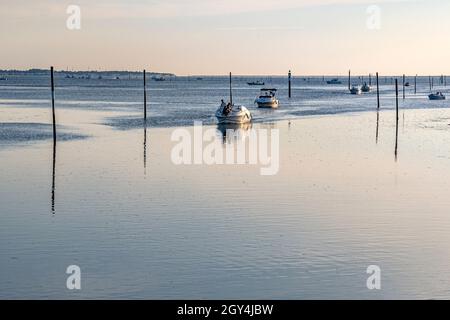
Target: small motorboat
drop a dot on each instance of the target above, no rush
(355, 90)
(3, 79)
(334, 81)
(158, 79)
(229, 113)
(437, 96)
(256, 83)
(366, 88)
(267, 99)
(233, 114)
(407, 84)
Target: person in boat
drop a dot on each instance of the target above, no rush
(228, 108)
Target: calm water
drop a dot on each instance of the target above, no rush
(141, 227)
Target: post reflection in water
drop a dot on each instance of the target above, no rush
(145, 147)
(53, 177)
(378, 125)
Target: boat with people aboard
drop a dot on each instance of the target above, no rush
(256, 83)
(229, 113)
(355, 89)
(233, 114)
(437, 96)
(334, 81)
(267, 99)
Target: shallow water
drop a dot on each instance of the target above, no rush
(141, 227)
(182, 100)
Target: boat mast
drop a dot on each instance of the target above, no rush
(231, 93)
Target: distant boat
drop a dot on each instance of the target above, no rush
(3, 79)
(407, 84)
(158, 78)
(199, 78)
(437, 96)
(256, 83)
(334, 81)
(355, 90)
(366, 88)
(267, 99)
(117, 78)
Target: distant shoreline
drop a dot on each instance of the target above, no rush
(97, 72)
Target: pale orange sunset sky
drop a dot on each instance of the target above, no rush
(257, 37)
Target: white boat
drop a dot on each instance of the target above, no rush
(437, 96)
(366, 88)
(229, 113)
(267, 99)
(355, 90)
(233, 114)
(334, 81)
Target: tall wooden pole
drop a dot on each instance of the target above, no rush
(415, 84)
(349, 79)
(396, 117)
(378, 93)
(290, 91)
(145, 97)
(53, 104)
(231, 92)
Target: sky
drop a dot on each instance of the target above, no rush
(213, 37)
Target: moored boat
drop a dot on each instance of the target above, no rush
(437, 96)
(256, 83)
(366, 88)
(334, 81)
(355, 90)
(159, 79)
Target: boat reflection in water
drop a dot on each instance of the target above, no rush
(230, 133)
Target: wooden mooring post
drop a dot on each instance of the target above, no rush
(396, 118)
(290, 83)
(145, 97)
(52, 82)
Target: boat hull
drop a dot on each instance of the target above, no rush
(270, 104)
(433, 97)
(239, 115)
(356, 91)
